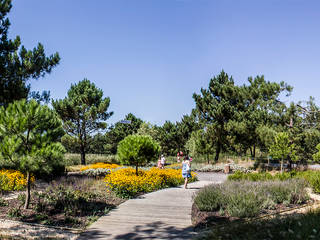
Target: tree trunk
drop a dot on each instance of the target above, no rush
(208, 158)
(281, 169)
(254, 151)
(137, 169)
(216, 158)
(26, 203)
(83, 155)
(251, 153)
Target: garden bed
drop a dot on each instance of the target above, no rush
(294, 224)
(72, 202)
(233, 201)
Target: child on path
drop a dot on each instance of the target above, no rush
(186, 171)
(162, 161)
(159, 163)
(179, 155)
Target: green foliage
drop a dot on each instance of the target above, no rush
(17, 64)
(71, 201)
(237, 176)
(282, 149)
(137, 150)
(169, 138)
(119, 131)
(209, 199)
(200, 143)
(83, 112)
(30, 133)
(3, 202)
(294, 227)
(217, 105)
(312, 177)
(14, 213)
(307, 141)
(249, 199)
(185, 127)
(255, 110)
(147, 128)
(316, 156)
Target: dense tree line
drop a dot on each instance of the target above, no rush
(227, 118)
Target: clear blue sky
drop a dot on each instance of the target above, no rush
(150, 56)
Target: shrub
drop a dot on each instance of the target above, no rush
(14, 213)
(299, 226)
(237, 176)
(312, 177)
(243, 204)
(210, 198)
(60, 198)
(137, 150)
(3, 202)
(248, 199)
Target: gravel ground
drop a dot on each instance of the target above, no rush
(214, 177)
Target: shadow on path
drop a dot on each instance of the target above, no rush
(155, 230)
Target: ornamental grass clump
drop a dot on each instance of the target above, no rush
(126, 183)
(248, 199)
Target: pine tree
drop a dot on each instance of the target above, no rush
(30, 134)
(83, 112)
(17, 64)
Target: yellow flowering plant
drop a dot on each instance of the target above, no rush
(125, 183)
(100, 165)
(12, 180)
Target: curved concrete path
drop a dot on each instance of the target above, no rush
(164, 214)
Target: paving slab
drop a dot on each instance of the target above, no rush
(164, 214)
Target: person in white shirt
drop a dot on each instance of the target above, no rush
(163, 161)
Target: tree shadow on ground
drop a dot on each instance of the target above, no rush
(36, 231)
(154, 230)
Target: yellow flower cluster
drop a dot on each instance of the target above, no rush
(100, 165)
(11, 180)
(126, 183)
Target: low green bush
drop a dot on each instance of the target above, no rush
(311, 176)
(297, 227)
(71, 201)
(3, 202)
(248, 199)
(237, 176)
(14, 213)
(209, 199)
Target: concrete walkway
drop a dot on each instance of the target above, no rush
(165, 214)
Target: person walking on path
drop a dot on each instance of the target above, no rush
(163, 161)
(186, 171)
(179, 155)
(159, 163)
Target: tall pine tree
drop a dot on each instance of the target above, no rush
(17, 64)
